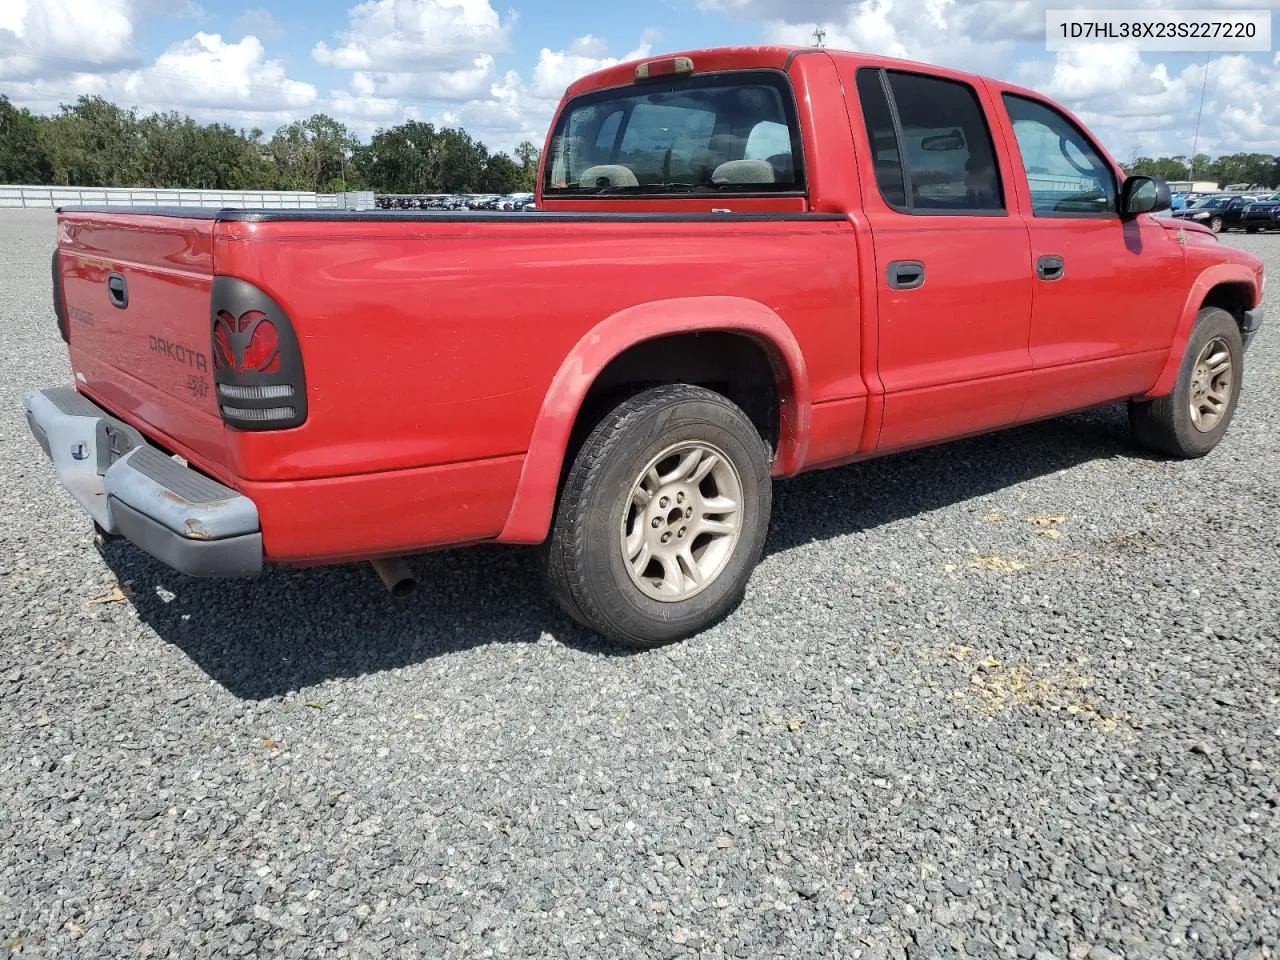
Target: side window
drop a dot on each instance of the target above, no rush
(931, 146)
(1066, 175)
(884, 142)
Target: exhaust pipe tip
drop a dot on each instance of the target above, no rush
(396, 577)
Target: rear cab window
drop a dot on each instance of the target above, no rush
(725, 133)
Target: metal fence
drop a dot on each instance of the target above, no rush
(36, 198)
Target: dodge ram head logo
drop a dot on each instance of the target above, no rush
(248, 343)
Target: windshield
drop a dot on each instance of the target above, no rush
(1209, 202)
(722, 133)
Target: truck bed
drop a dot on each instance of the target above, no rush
(399, 316)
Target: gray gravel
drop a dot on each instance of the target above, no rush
(885, 753)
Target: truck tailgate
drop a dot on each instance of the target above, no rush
(137, 294)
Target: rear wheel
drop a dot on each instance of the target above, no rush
(662, 518)
(1191, 420)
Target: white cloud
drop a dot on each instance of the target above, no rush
(1134, 105)
(498, 109)
(205, 76)
(42, 38)
(556, 69)
(206, 71)
(417, 35)
(448, 85)
(1133, 101)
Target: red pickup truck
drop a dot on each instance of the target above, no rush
(745, 264)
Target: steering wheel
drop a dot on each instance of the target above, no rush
(1063, 143)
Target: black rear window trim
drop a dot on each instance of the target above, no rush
(790, 104)
(910, 210)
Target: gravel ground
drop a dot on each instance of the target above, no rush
(934, 729)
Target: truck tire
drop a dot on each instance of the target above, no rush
(662, 517)
(1191, 420)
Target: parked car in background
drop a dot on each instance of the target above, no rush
(1233, 211)
(1207, 211)
(1261, 214)
(746, 264)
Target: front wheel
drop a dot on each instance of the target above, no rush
(1191, 420)
(662, 518)
(1217, 224)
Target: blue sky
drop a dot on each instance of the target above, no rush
(498, 69)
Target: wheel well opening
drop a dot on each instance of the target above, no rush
(1235, 298)
(736, 365)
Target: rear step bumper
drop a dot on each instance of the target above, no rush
(181, 517)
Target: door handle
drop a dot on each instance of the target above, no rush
(118, 290)
(906, 274)
(1050, 267)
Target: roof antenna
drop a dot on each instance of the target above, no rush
(1195, 142)
(819, 37)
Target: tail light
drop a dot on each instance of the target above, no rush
(257, 365)
(59, 301)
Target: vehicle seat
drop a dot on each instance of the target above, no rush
(744, 171)
(784, 169)
(608, 175)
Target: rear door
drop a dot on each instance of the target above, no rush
(953, 262)
(137, 290)
(1109, 291)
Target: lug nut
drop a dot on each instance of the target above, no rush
(657, 522)
(679, 498)
(666, 538)
(689, 512)
(664, 502)
(681, 533)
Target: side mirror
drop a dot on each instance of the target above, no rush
(1144, 195)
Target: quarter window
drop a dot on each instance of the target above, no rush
(1066, 175)
(930, 144)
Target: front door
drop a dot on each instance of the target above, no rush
(953, 264)
(1109, 291)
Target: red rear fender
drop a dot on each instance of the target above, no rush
(530, 517)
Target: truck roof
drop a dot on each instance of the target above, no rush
(768, 57)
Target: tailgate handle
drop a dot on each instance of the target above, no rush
(118, 290)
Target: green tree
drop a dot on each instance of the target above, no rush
(415, 157)
(403, 159)
(310, 154)
(22, 156)
(462, 161)
(1167, 168)
(93, 143)
(501, 175)
(1247, 168)
(1200, 166)
(528, 155)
